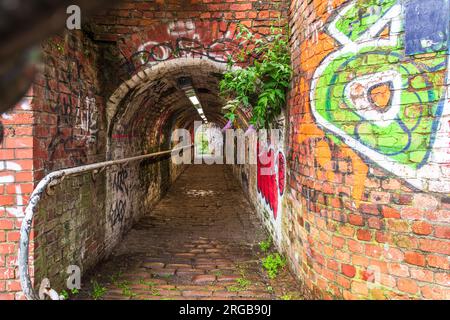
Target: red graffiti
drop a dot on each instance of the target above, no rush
(281, 173)
(271, 178)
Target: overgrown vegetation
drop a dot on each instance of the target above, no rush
(126, 289)
(273, 263)
(71, 293)
(115, 277)
(98, 291)
(151, 286)
(265, 245)
(65, 294)
(218, 273)
(241, 285)
(261, 87)
(286, 297)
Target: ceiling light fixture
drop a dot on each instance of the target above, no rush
(190, 93)
(194, 100)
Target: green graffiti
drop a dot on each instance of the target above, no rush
(361, 17)
(376, 94)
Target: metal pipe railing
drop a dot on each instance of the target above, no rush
(51, 180)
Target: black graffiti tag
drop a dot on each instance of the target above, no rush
(118, 212)
(121, 189)
(219, 50)
(119, 182)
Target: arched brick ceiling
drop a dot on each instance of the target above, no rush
(158, 105)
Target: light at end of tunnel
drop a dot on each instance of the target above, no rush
(190, 93)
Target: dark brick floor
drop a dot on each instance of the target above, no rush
(200, 242)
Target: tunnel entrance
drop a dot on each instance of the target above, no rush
(202, 236)
(155, 98)
(142, 114)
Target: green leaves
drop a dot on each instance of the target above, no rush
(273, 263)
(262, 85)
(98, 291)
(265, 245)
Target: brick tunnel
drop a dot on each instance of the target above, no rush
(357, 202)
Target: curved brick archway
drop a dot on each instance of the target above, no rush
(142, 114)
(155, 97)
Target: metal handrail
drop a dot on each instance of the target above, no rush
(49, 181)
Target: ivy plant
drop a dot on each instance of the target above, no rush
(260, 87)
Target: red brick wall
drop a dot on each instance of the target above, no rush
(149, 32)
(358, 224)
(69, 104)
(69, 131)
(58, 125)
(16, 165)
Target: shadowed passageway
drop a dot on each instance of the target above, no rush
(200, 242)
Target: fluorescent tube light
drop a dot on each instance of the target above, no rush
(194, 100)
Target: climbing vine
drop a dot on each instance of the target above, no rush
(262, 86)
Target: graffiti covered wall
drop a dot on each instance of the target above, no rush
(369, 110)
(383, 95)
(69, 132)
(265, 183)
(271, 185)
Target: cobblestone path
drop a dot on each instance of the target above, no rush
(200, 242)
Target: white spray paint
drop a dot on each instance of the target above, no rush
(5, 180)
